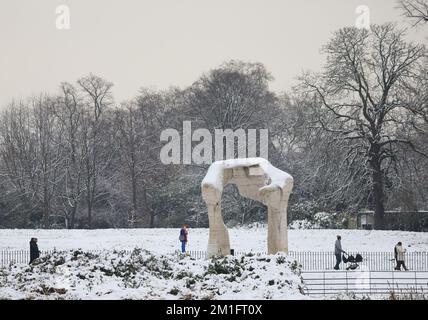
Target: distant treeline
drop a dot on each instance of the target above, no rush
(353, 136)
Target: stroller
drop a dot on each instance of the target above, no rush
(353, 261)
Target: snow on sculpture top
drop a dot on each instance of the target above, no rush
(256, 179)
(215, 175)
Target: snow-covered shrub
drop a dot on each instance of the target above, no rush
(141, 274)
(301, 224)
(324, 220)
(321, 220)
(327, 220)
(303, 210)
(255, 226)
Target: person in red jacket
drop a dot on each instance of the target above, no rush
(183, 237)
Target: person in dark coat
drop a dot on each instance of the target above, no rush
(34, 250)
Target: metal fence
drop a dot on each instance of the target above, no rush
(366, 282)
(309, 260)
(323, 260)
(375, 261)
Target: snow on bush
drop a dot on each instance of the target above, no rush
(301, 224)
(141, 274)
(320, 220)
(254, 226)
(326, 220)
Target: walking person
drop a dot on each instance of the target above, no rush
(183, 238)
(399, 252)
(34, 250)
(338, 252)
(396, 253)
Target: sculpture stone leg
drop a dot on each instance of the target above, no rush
(277, 231)
(277, 200)
(218, 241)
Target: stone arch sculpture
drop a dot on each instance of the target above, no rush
(256, 179)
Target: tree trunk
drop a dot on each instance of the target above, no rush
(73, 217)
(146, 208)
(134, 192)
(378, 196)
(377, 189)
(45, 205)
(89, 204)
(89, 216)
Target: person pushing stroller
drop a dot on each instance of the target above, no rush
(353, 261)
(338, 252)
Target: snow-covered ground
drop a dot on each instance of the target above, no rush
(145, 275)
(106, 275)
(366, 282)
(242, 239)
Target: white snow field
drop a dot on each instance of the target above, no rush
(152, 275)
(241, 239)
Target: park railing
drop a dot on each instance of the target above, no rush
(309, 260)
(324, 260)
(396, 284)
(376, 261)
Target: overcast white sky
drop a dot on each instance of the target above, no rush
(159, 43)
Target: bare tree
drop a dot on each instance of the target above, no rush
(98, 98)
(152, 117)
(47, 158)
(415, 10)
(134, 142)
(69, 111)
(359, 95)
(325, 178)
(30, 164)
(18, 165)
(235, 95)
